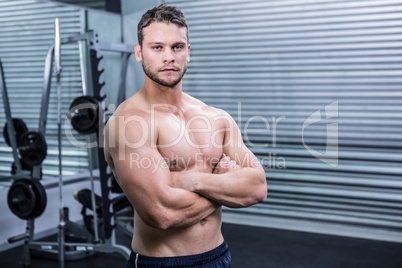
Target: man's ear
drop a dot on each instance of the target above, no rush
(137, 52)
(188, 53)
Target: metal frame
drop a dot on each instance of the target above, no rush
(9, 119)
(49, 249)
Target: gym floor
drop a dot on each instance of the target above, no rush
(255, 247)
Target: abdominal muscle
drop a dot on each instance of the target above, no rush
(195, 239)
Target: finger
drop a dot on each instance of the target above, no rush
(232, 163)
(220, 158)
(237, 167)
(225, 159)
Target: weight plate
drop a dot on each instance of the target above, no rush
(20, 129)
(41, 198)
(32, 148)
(26, 198)
(84, 114)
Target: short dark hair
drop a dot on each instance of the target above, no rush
(161, 13)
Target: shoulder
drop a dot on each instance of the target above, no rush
(212, 111)
(129, 123)
(129, 110)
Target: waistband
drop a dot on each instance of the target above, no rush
(188, 260)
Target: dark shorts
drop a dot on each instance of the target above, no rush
(216, 258)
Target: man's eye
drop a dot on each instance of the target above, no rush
(157, 47)
(178, 47)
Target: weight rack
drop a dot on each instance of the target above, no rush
(106, 178)
(10, 126)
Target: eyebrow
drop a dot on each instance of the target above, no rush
(156, 43)
(162, 43)
(179, 43)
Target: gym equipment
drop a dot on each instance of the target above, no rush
(12, 139)
(122, 208)
(91, 222)
(65, 249)
(62, 224)
(32, 148)
(26, 198)
(20, 129)
(86, 119)
(84, 114)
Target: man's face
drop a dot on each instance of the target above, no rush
(164, 53)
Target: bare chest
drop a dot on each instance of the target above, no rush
(190, 142)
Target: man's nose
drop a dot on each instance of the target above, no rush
(168, 57)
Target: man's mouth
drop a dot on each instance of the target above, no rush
(167, 70)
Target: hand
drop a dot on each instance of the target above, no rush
(225, 164)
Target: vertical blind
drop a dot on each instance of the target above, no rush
(316, 89)
(26, 33)
(96, 4)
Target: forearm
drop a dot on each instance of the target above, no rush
(238, 188)
(187, 208)
(172, 207)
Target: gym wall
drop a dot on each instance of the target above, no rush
(315, 87)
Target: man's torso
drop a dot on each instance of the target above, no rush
(189, 140)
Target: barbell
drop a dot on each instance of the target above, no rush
(26, 198)
(84, 114)
(32, 148)
(31, 145)
(20, 129)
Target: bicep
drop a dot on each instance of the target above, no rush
(235, 148)
(143, 176)
(138, 166)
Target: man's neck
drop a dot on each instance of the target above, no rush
(157, 94)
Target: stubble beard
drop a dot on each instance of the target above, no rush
(163, 82)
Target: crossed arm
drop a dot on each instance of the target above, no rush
(233, 186)
(154, 192)
(150, 189)
(154, 198)
(238, 179)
